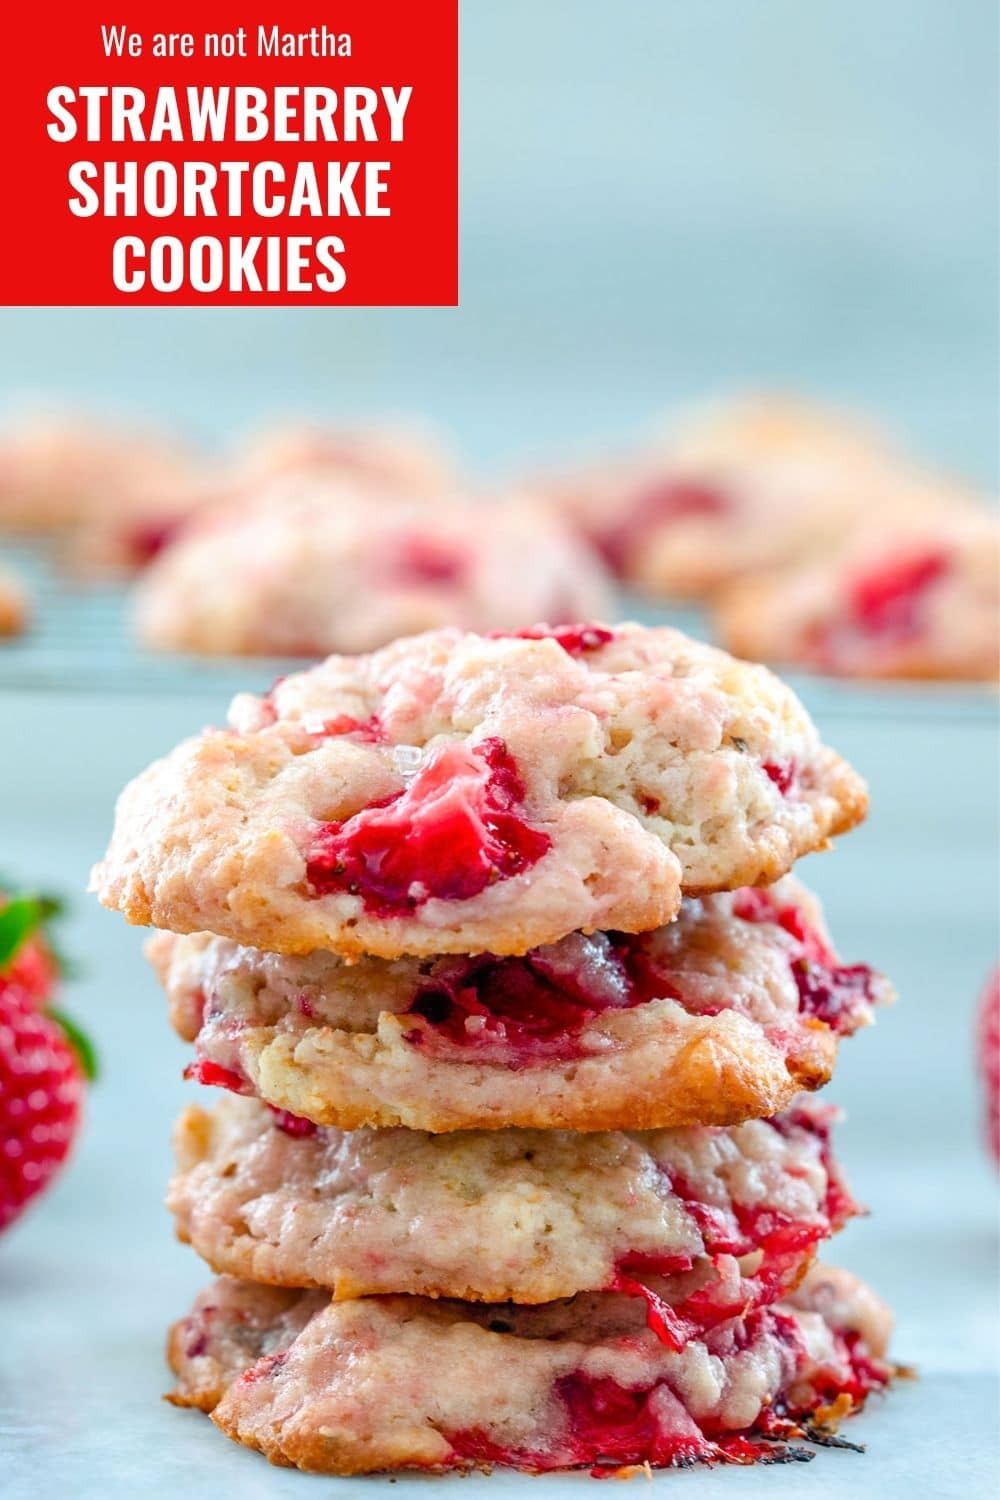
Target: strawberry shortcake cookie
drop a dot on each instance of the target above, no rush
(919, 602)
(402, 457)
(743, 487)
(409, 1383)
(200, 603)
(720, 1016)
(458, 793)
(310, 566)
(704, 1223)
(109, 494)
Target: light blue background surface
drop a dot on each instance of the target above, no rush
(661, 198)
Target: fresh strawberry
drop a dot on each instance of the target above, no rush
(988, 1040)
(44, 1060)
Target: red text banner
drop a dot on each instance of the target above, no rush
(213, 154)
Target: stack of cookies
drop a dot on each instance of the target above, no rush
(493, 943)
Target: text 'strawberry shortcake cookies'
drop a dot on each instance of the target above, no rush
(919, 602)
(748, 485)
(706, 1223)
(312, 567)
(720, 1016)
(406, 1382)
(14, 608)
(461, 793)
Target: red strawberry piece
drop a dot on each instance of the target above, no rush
(454, 830)
(202, 1070)
(575, 640)
(888, 599)
(782, 773)
(988, 1046)
(294, 1125)
(663, 502)
(41, 1093)
(418, 561)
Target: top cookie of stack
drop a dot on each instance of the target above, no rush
(457, 793)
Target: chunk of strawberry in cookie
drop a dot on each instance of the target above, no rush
(574, 639)
(457, 828)
(887, 600)
(656, 504)
(839, 995)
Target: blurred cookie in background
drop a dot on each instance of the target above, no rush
(311, 566)
(734, 489)
(14, 607)
(918, 600)
(106, 492)
(403, 456)
(377, 458)
(117, 545)
(110, 494)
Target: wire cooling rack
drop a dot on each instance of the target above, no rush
(81, 640)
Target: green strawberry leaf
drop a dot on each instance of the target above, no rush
(22, 917)
(79, 1041)
(18, 920)
(52, 906)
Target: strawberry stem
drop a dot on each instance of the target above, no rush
(22, 916)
